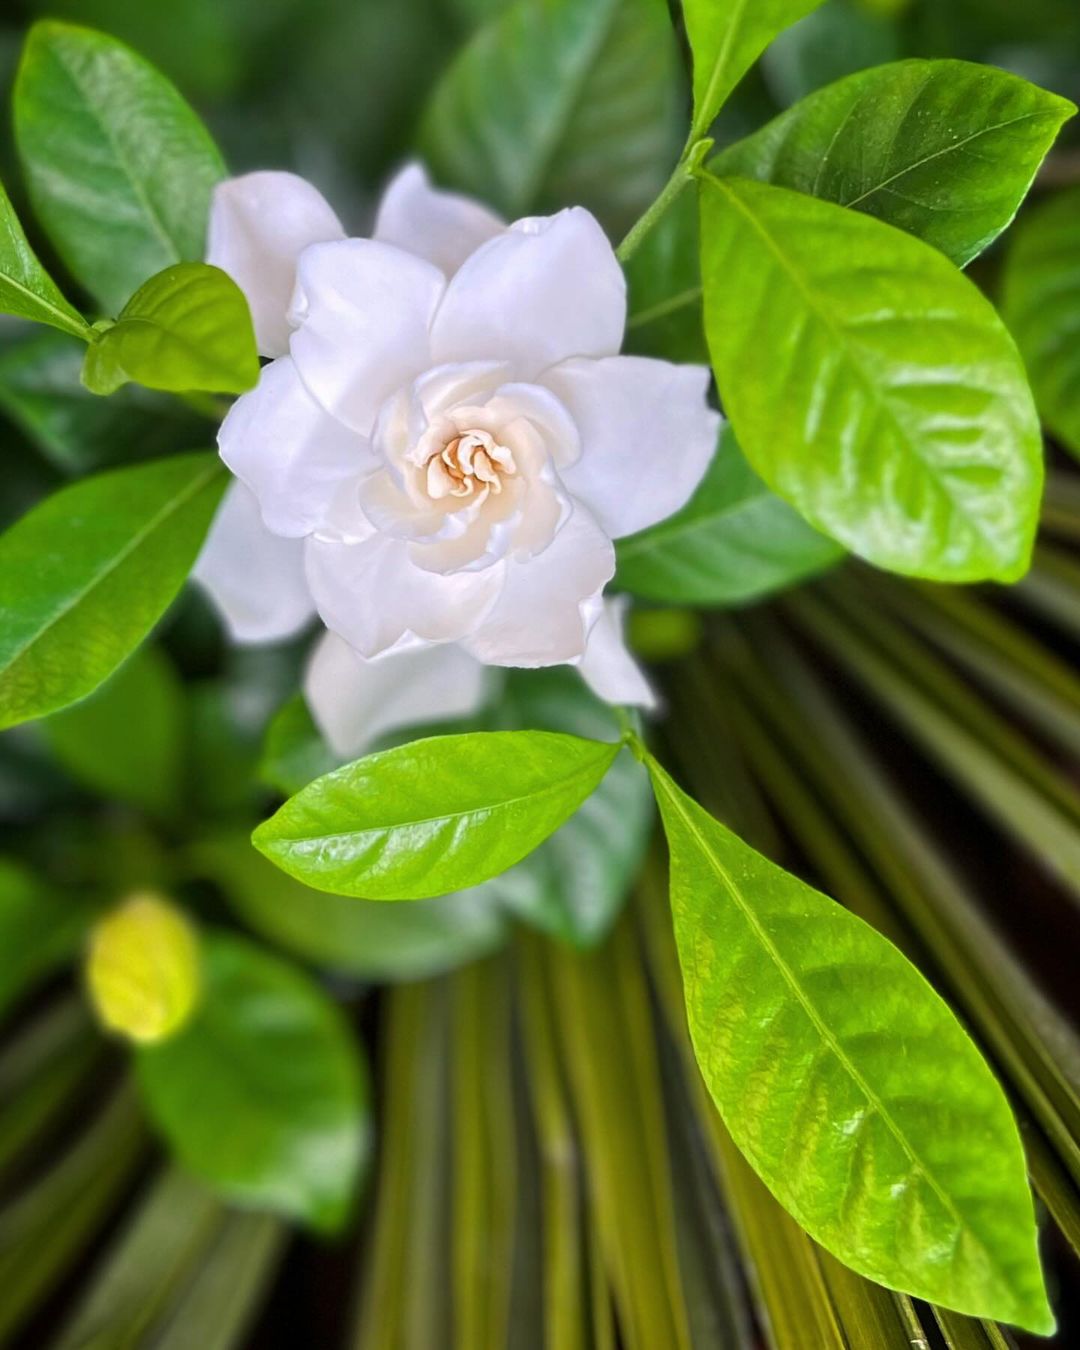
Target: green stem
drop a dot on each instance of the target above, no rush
(682, 175)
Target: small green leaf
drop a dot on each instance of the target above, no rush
(39, 929)
(870, 384)
(93, 739)
(572, 102)
(366, 938)
(87, 573)
(1041, 305)
(263, 1095)
(118, 166)
(435, 815)
(726, 39)
(188, 328)
(945, 150)
(734, 541)
(847, 1082)
(26, 289)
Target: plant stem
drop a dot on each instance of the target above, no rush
(683, 173)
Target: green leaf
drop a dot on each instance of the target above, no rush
(734, 541)
(1041, 305)
(726, 39)
(41, 391)
(945, 150)
(87, 573)
(118, 166)
(870, 384)
(263, 1095)
(841, 37)
(574, 885)
(94, 740)
(366, 938)
(568, 102)
(663, 280)
(39, 929)
(188, 328)
(294, 752)
(26, 289)
(433, 816)
(847, 1082)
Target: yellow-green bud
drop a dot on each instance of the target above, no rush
(142, 969)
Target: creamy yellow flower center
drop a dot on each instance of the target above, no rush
(473, 462)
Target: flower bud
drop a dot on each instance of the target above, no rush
(142, 969)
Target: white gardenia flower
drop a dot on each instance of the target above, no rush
(446, 434)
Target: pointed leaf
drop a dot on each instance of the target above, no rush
(734, 541)
(26, 289)
(945, 150)
(870, 384)
(434, 816)
(118, 166)
(263, 1095)
(726, 39)
(847, 1082)
(188, 328)
(87, 573)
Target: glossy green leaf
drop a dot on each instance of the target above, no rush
(734, 541)
(568, 102)
(26, 289)
(574, 885)
(847, 1082)
(42, 392)
(188, 328)
(39, 928)
(870, 384)
(118, 166)
(435, 815)
(263, 1095)
(365, 938)
(945, 150)
(94, 741)
(87, 573)
(726, 39)
(1041, 304)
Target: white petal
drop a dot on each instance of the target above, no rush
(290, 451)
(362, 311)
(647, 436)
(549, 602)
(354, 701)
(609, 669)
(373, 595)
(544, 290)
(259, 224)
(255, 578)
(439, 226)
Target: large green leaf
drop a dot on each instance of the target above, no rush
(870, 384)
(433, 816)
(733, 541)
(119, 168)
(1041, 305)
(188, 328)
(847, 1082)
(561, 102)
(726, 38)
(39, 928)
(366, 938)
(41, 390)
(945, 150)
(26, 289)
(94, 741)
(87, 573)
(263, 1094)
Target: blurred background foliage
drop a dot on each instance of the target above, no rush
(549, 1171)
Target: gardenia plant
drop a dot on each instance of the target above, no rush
(447, 459)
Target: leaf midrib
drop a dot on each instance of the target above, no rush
(174, 504)
(791, 980)
(701, 117)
